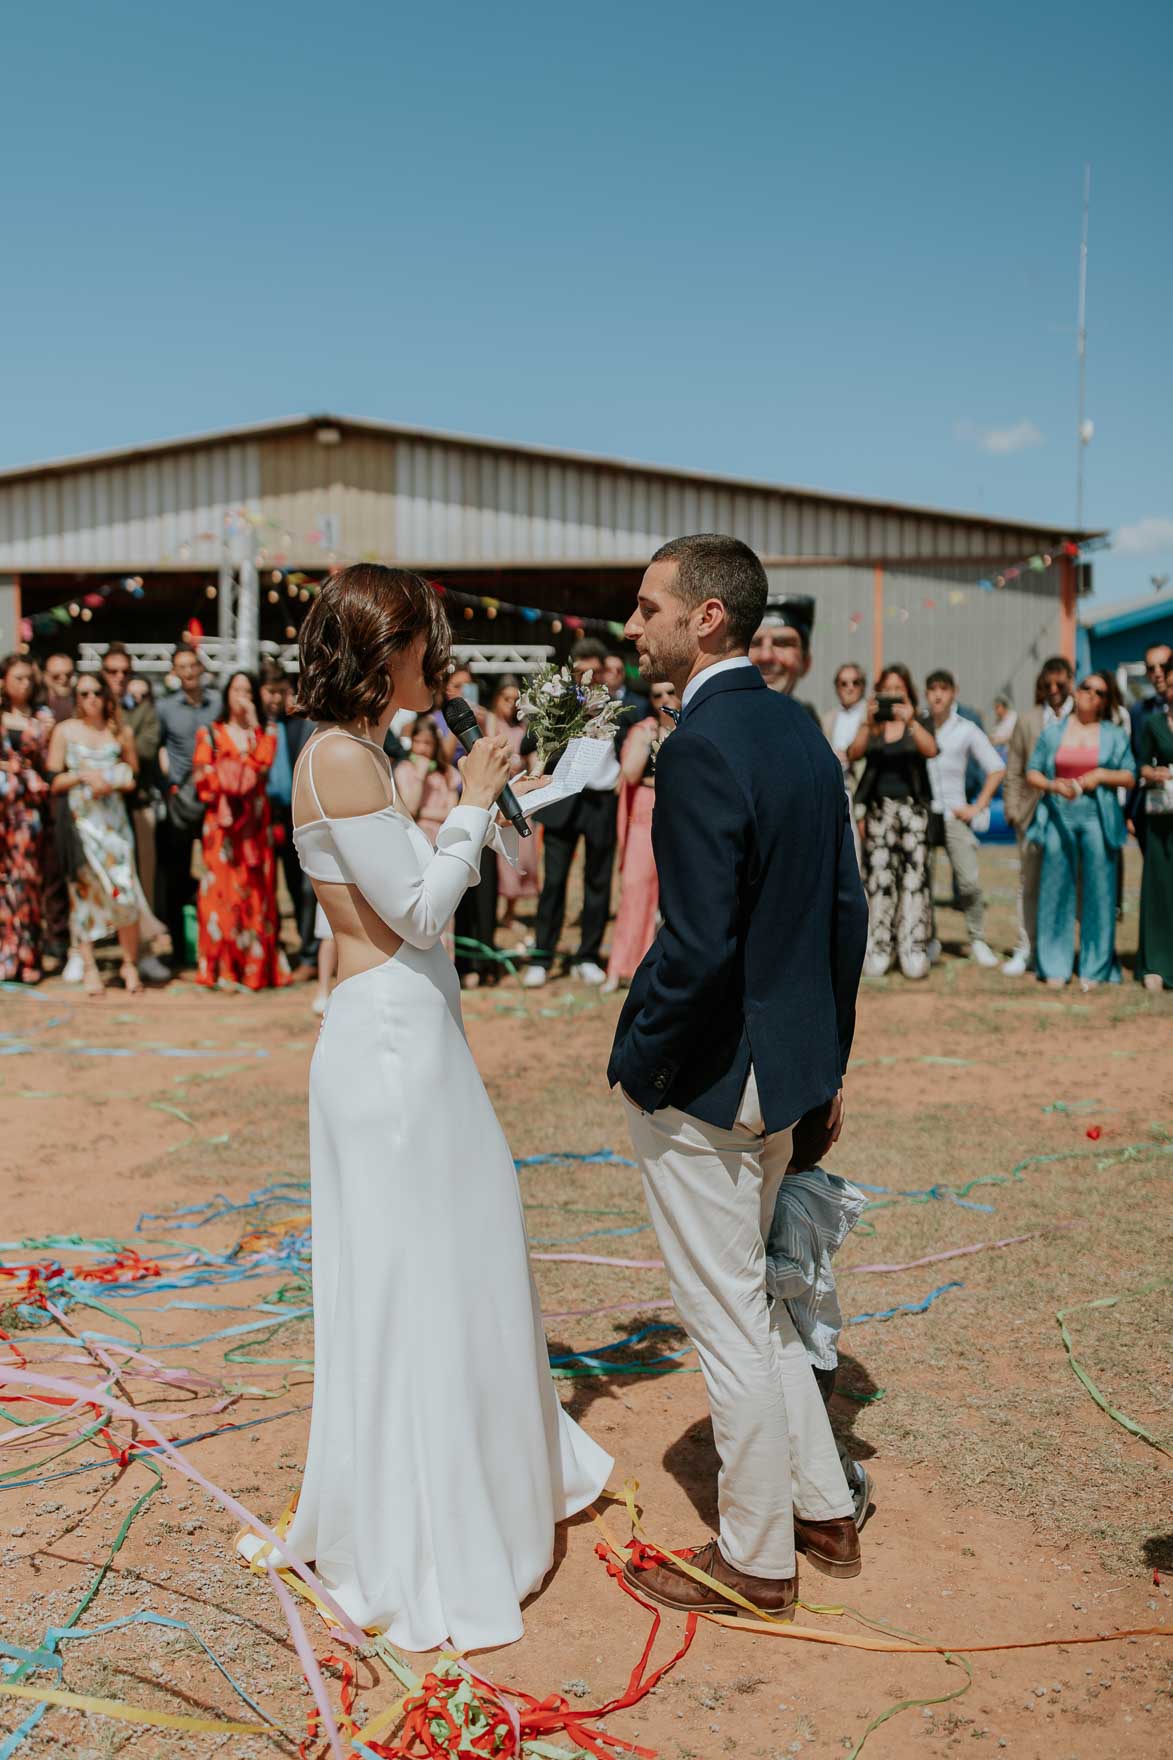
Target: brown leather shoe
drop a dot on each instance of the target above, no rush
(671, 1588)
(832, 1547)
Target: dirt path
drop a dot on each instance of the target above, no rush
(1008, 1506)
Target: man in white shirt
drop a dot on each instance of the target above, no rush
(958, 741)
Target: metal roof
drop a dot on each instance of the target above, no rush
(1033, 531)
(1128, 613)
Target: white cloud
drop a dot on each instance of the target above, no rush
(1151, 536)
(1015, 438)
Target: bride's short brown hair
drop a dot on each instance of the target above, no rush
(359, 621)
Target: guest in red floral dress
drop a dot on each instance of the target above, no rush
(238, 914)
(24, 795)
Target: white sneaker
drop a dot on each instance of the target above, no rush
(1016, 966)
(934, 952)
(876, 965)
(74, 970)
(587, 972)
(534, 977)
(915, 966)
(983, 953)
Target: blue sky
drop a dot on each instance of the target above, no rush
(830, 246)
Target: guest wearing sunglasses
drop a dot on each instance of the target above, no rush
(1077, 766)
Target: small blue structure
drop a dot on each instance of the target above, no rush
(1117, 635)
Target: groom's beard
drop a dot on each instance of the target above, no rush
(673, 655)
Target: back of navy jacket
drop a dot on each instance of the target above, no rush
(764, 919)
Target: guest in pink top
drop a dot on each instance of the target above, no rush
(427, 784)
(524, 880)
(639, 899)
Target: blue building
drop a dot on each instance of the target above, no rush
(1117, 635)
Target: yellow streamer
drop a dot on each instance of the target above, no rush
(134, 1713)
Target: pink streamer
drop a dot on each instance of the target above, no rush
(1011, 1240)
(348, 1631)
(595, 1259)
(309, 1661)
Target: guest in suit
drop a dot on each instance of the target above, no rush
(1052, 702)
(590, 815)
(621, 691)
(1077, 766)
(739, 1022)
(1158, 657)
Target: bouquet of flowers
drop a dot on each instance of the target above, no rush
(557, 709)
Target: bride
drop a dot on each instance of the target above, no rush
(439, 1456)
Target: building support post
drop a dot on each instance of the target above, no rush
(248, 617)
(1067, 608)
(10, 642)
(877, 624)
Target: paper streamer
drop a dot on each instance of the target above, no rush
(1011, 1240)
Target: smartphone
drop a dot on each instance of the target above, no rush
(884, 708)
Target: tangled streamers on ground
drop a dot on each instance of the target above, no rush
(1009, 1504)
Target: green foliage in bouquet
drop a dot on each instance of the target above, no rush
(556, 709)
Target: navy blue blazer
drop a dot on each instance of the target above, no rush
(765, 923)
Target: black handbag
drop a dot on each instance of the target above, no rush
(185, 809)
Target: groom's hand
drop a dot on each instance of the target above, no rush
(835, 1118)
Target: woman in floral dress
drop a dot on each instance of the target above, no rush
(24, 746)
(238, 913)
(95, 765)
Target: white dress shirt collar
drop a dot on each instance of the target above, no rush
(702, 678)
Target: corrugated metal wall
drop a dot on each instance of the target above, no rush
(433, 503)
(144, 513)
(991, 641)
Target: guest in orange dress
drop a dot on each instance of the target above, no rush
(639, 897)
(238, 914)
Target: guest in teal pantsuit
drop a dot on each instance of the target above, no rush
(1078, 764)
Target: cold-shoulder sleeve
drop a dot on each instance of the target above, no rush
(414, 894)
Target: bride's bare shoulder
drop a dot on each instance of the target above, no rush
(349, 778)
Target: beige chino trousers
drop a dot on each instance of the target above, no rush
(710, 1194)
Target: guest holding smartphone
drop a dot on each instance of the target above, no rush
(894, 794)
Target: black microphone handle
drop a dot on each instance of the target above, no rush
(506, 800)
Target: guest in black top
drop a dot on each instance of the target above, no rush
(895, 793)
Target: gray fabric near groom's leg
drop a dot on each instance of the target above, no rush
(710, 1194)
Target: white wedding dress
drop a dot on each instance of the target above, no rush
(439, 1456)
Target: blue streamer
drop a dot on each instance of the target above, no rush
(905, 1307)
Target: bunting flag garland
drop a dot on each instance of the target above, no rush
(303, 587)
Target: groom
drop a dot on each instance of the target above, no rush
(737, 1026)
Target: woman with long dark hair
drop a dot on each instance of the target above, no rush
(95, 765)
(238, 915)
(434, 1476)
(639, 897)
(25, 731)
(895, 795)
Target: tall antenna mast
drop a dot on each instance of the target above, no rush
(1085, 428)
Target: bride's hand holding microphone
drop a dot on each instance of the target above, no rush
(485, 771)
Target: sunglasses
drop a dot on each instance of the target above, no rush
(1095, 689)
(83, 692)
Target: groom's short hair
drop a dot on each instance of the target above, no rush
(710, 565)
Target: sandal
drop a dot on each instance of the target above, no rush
(93, 983)
(131, 982)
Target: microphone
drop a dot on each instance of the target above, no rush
(462, 721)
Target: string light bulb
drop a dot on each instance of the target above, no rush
(490, 611)
(86, 614)
(556, 626)
(290, 633)
(272, 597)
(74, 609)
(468, 612)
(209, 592)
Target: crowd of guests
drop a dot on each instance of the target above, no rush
(107, 791)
